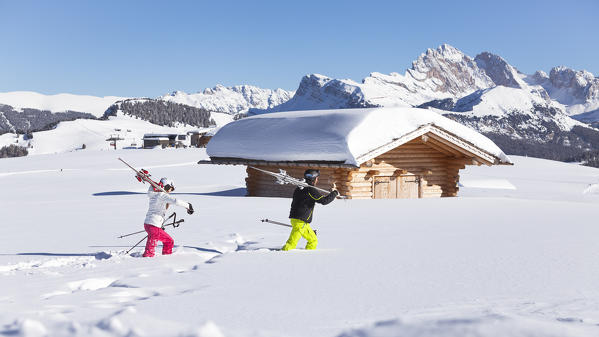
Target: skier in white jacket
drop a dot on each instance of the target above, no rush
(159, 202)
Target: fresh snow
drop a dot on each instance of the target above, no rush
(488, 84)
(331, 135)
(70, 136)
(487, 183)
(58, 103)
(592, 189)
(578, 91)
(231, 100)
(501, 101)
(491, 262)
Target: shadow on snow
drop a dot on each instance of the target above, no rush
(98, 256)
(235, 192)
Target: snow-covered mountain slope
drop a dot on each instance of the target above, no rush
(577, 90)
(489, 263)
(71, 136)
(446, 73)
(485, 93)
(525, 104)
(58, 103)
(436, 74)
(231, 100)
(162, 113)
(442, 73)
(499, 71)
(318, 92)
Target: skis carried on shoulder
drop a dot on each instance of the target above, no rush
(143, 176)
(284, 178)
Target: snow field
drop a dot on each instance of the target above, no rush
(58, 103)
(70, 136)
(492, 262)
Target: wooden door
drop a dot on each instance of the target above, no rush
(408, 187)
(382, 188)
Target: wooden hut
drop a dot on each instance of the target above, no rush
(201, 139)
(153, 140)
(364, 153)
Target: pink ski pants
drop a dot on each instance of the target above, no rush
(157, 234)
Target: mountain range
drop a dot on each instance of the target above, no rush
(545, 115)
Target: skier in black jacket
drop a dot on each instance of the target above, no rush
(302, 209)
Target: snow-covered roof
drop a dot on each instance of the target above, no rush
(162, 135)
(349, 136)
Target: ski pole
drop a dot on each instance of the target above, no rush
(130, 249)
(276, 223)
(280, 223)
(177, 225)
(125, 235)
(174, 224)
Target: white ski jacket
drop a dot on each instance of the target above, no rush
(157, 206)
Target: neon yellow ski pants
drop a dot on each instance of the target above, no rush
(301, 229)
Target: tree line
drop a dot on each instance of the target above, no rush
(162, 113)
(12, 151)
(34, 120)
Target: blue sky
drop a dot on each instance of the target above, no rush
(149, 48)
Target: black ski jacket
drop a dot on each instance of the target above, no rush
(303, 202)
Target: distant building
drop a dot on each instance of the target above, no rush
(152, 140)
(166, 140)
(201, 138)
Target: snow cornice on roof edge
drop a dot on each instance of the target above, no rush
(346, 136)
(468, 148)
(304, 163)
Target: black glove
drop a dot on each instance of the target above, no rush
(190, 209)
(336, 193)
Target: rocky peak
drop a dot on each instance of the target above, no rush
(450, 71)
(309, 82)
(177, 93)
(500, 72)
(217, 88)
(564, 77)
(321, 92)
(539, 77)
(569, 86)
(231, 100)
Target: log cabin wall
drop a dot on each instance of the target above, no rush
(437, 172)
(436, 169)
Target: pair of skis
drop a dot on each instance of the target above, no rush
(284, 178)
(143, 176)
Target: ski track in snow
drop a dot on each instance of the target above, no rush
(226, 268)
(147, 167)
(115, 292)
(503, 318)
(6, 174)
